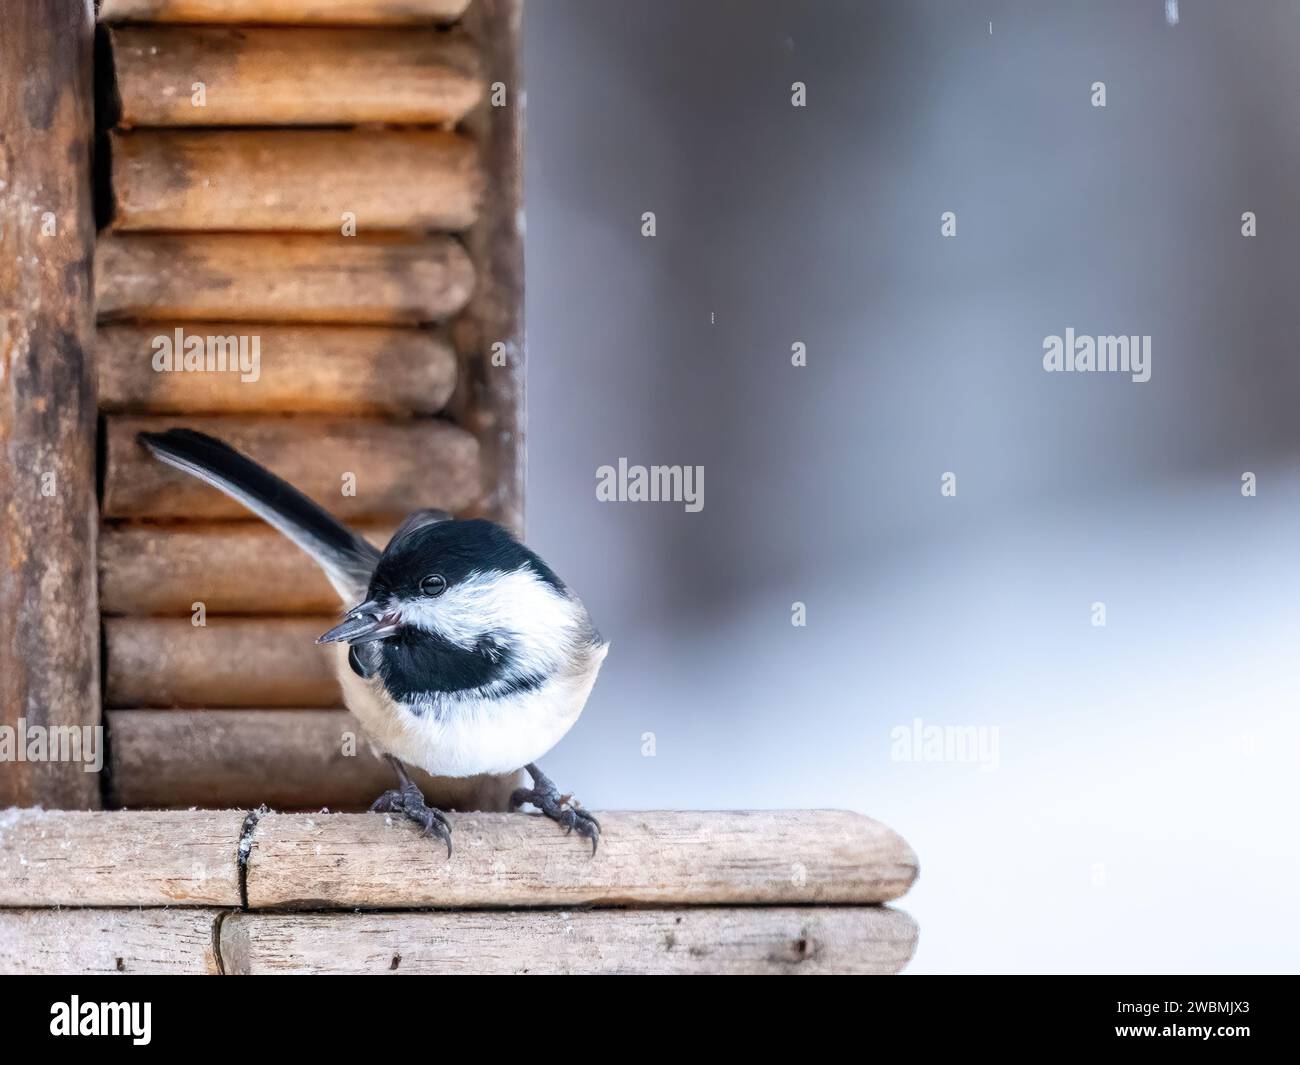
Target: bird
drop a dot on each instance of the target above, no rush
(460, 651)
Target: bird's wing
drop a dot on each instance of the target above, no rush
(347, 559)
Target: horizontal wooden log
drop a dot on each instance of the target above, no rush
(327, 12)
(231, 569)
(160, 942)
(395, 467)
(292, 759)
(329, 860)
(293, 76)
(776, 940)
(754, 940)
(661, 858)
(167, 662)
(306, 369)
(113, 858)
(269, 277)
(294, 180)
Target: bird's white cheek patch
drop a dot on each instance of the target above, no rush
(516, 609)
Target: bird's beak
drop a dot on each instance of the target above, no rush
(364, 624)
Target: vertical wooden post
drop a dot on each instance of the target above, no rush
(491, 400)
(49, 615)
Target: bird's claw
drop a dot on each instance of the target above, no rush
(409, 801)
(559, 808)
(587, 826)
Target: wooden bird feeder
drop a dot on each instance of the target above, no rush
(295, 224)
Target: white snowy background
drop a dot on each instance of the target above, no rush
(1143, 813)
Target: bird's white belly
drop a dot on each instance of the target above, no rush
(466, 736)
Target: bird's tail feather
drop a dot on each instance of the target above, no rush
(347, 558)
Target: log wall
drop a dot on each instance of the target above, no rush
(301, 180)
(311, 250)
(291, 759)
(289, 12)
(278, 76)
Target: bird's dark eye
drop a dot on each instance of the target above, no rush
(434, 584)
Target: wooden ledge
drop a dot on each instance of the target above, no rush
(733, 941)
(222, 892)
(655, 858)
(119, 858)
(198, 940)
(373, 861)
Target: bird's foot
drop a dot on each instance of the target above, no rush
(409, 801)
(559, 808)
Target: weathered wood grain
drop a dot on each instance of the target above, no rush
(306, 369)
(298, 76)
(167, 662)
(177, 942)
(115, 858)
(291, 759)
(267, 277)
(658, 858)
(377, 861)
(292, 12)
(49, 625)
(392, 467)
(298, 180)
(490, 399)
(247, 568)
(733, 941)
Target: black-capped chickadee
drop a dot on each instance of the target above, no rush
(466, 653)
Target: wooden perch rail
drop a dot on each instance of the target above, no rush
(305, 369)
(398, 466)
(292, 759)
(243, 569)
(740, 892)
(327, 12)
(115, 858)
(225, 662)
(377, 861)
(293, 76)
(660, 858)
(312, 180)
(255, 277)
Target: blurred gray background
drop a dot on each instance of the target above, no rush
(1142, 812)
